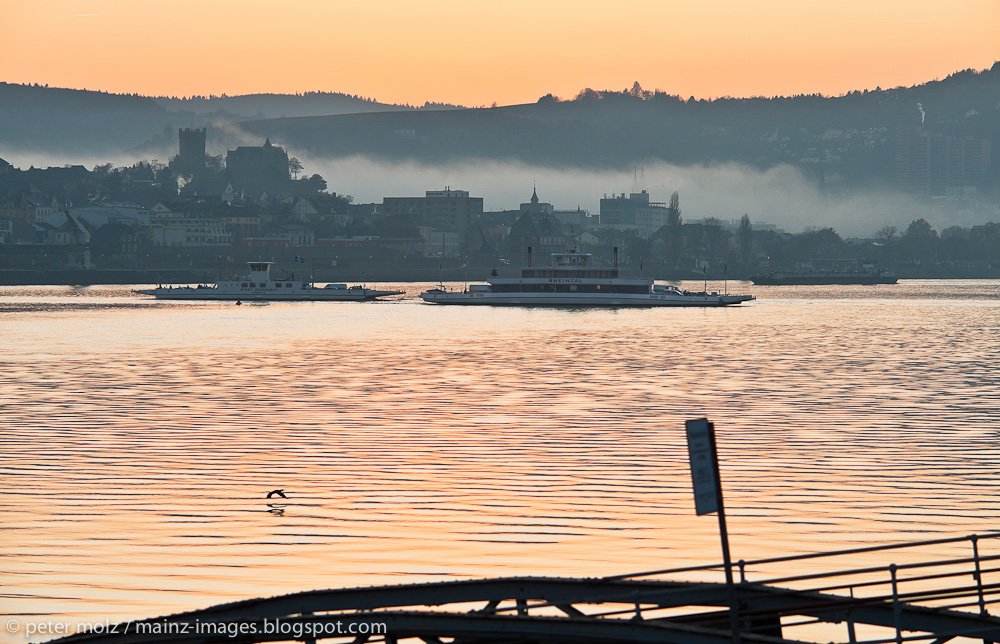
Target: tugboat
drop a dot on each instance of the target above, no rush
(260, 286)
(568, 280)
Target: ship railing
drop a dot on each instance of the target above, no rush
(940, 575)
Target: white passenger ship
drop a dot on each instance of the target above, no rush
(569, 281)
(259, 285)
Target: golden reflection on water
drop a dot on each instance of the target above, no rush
(419, 442)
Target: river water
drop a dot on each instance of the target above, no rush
(417, 442)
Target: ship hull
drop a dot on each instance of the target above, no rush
(259, 286)
(344, 295)
(583, 300)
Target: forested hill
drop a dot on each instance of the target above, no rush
(279, 105)
(55, 121)
(851, 134)
(68, 121)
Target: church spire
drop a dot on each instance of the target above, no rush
(534, 194)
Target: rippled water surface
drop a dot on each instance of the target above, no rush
(418, 442)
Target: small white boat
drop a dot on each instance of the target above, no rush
(259, 286)
(569, 281)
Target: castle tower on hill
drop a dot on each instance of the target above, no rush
(191, 143)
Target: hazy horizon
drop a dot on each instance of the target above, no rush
(781, 195)
(478, 55)
(432, 102)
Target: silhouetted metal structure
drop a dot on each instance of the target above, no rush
(933, 600)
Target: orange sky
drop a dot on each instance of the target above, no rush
(475, 53)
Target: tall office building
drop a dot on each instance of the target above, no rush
(927, 161)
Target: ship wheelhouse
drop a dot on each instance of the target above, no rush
(591, 287)
(569, 273)
(570, 265)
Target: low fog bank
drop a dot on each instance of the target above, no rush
(781, 195)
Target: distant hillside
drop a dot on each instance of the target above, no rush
(55, 121)
(261, 106)
(68, 121)
(614, 129)
(848, 136)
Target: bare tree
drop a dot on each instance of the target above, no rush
(744, 236)
(714, 236)
(887, 238)
(675, 208)
(675, 245)
(919, 242)
(295, 167)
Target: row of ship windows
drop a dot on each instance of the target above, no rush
(569, 288)
(591, 273)
(264, 284)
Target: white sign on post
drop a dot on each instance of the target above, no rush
(704, 466)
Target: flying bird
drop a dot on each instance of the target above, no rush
(280, 493)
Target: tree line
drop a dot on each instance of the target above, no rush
(682, 245)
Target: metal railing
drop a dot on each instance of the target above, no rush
(933, 583)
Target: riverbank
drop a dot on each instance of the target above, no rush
(347, 275)
(79, 277)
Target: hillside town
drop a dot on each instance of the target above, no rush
(207, 214)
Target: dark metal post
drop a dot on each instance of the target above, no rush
(978, 575)
(897, 608)
(734, 607)
(851, 635)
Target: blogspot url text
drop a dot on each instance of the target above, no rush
(296, 628)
